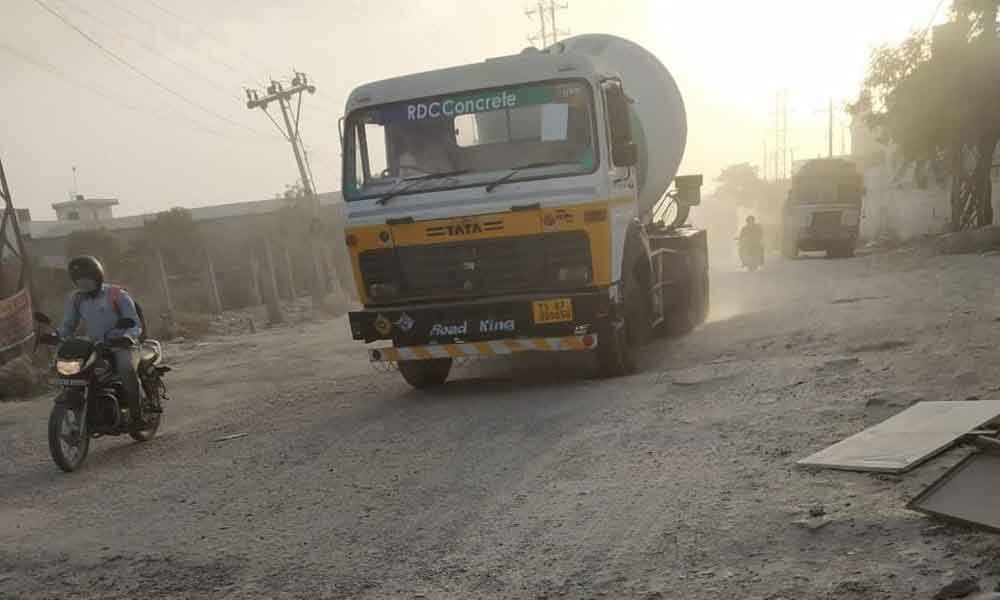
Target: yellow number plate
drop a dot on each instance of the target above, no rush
(553, 311)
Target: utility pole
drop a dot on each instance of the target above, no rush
(272, 302)
(830, 128)
(165, 283)
(764, 163)
(786, 167)
(780, 135)
(213, 284)
(276, 92)
(547, 27)
(290, 269)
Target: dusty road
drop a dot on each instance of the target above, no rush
(523, 480)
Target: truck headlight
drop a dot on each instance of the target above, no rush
(383, 290)
(69, 368)
(576, 275)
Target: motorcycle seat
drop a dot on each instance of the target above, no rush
(150, 354)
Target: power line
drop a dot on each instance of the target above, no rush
(250, 60)
(154, 27)
(110, 96)
(152, 49)
(203, 31)
(140, 72)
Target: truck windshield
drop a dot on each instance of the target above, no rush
(474, 137)
(826, 191)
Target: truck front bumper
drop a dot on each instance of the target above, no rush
(484, 349)
(503, 319)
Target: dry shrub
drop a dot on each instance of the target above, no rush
(182, 325)
(21, 378)
(971, 241)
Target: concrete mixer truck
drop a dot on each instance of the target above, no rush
(522, 204)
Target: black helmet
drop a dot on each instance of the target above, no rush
(86, 268)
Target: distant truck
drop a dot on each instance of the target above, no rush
(823, 210)
(522, 204)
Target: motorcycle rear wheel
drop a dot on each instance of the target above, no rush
(68, 449)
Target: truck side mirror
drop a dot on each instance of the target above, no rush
(625, 155)
(623, 151)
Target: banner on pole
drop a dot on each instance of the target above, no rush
(17, 327)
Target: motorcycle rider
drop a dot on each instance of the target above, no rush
(101, 305)
(752, 239)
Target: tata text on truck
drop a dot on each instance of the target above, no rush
(823, 211)
(522, 204)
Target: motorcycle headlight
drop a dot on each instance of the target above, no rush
(69, 367)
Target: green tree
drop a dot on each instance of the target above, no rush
(937, 104)
(740, 184)
(174, 234)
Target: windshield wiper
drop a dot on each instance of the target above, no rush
(413, 181)
(515, 170)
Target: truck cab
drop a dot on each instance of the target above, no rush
(488, 209)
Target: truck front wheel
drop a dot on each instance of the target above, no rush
(619, 345)
(425, 373)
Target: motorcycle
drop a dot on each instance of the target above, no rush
(92, 401)
(751, 254)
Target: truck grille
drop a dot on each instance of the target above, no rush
(479, 267)
(826, 222)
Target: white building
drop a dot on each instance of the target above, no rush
(85, 209)
(895, 206)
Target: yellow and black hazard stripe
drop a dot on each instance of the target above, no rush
(484, 349)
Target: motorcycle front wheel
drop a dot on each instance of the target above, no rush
(69, 439)
(148, 432)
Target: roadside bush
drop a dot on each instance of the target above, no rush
(21, 378)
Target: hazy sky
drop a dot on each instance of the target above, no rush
(65, 103)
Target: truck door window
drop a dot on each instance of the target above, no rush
(377, 155)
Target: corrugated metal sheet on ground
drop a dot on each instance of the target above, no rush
(904, 441)
(969, 492)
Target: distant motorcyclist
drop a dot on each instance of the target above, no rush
(752, 242)
(101, 305)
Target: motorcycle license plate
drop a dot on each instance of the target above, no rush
(73, 382)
